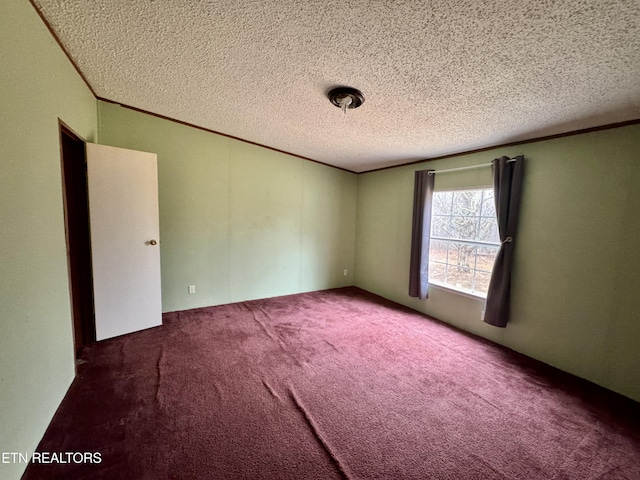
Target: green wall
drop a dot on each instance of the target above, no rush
(38, 85)
(239, 221)
(575, 299)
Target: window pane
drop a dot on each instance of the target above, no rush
(467, 202)
(442, 203)
(482, 282)
(488, 231)
(488, 204)
(461, 255)
(440, 227)
(437, 272)
(485, 257)
(460, 277)
(464, 228)
(438, 251)
(452, 257)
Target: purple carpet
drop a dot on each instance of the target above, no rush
(332, 384)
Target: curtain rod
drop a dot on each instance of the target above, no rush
(433, 172)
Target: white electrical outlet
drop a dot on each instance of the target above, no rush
(346, 272)
(192, 289)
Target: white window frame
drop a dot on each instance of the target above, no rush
(448, 286)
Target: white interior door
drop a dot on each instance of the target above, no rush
(125, 244)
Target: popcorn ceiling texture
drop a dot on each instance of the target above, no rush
(438, 77)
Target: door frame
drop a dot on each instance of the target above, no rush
(73, 166)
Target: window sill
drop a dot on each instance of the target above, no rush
(464, 293)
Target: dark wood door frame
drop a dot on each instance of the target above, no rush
(76, 220)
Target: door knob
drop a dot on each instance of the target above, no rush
(153, 242)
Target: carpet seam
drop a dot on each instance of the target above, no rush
(159, 375)
(272, 391)
(276, 339)
(316, 432)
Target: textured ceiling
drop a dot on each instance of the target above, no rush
(439, 76)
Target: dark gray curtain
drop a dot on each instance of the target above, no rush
(421, 232)
(507, 187)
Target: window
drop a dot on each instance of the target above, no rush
(464, 240)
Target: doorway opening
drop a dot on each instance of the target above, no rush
(76, 217)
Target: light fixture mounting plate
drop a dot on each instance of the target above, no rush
(338, 93)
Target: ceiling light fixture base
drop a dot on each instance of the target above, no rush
(346, 98)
